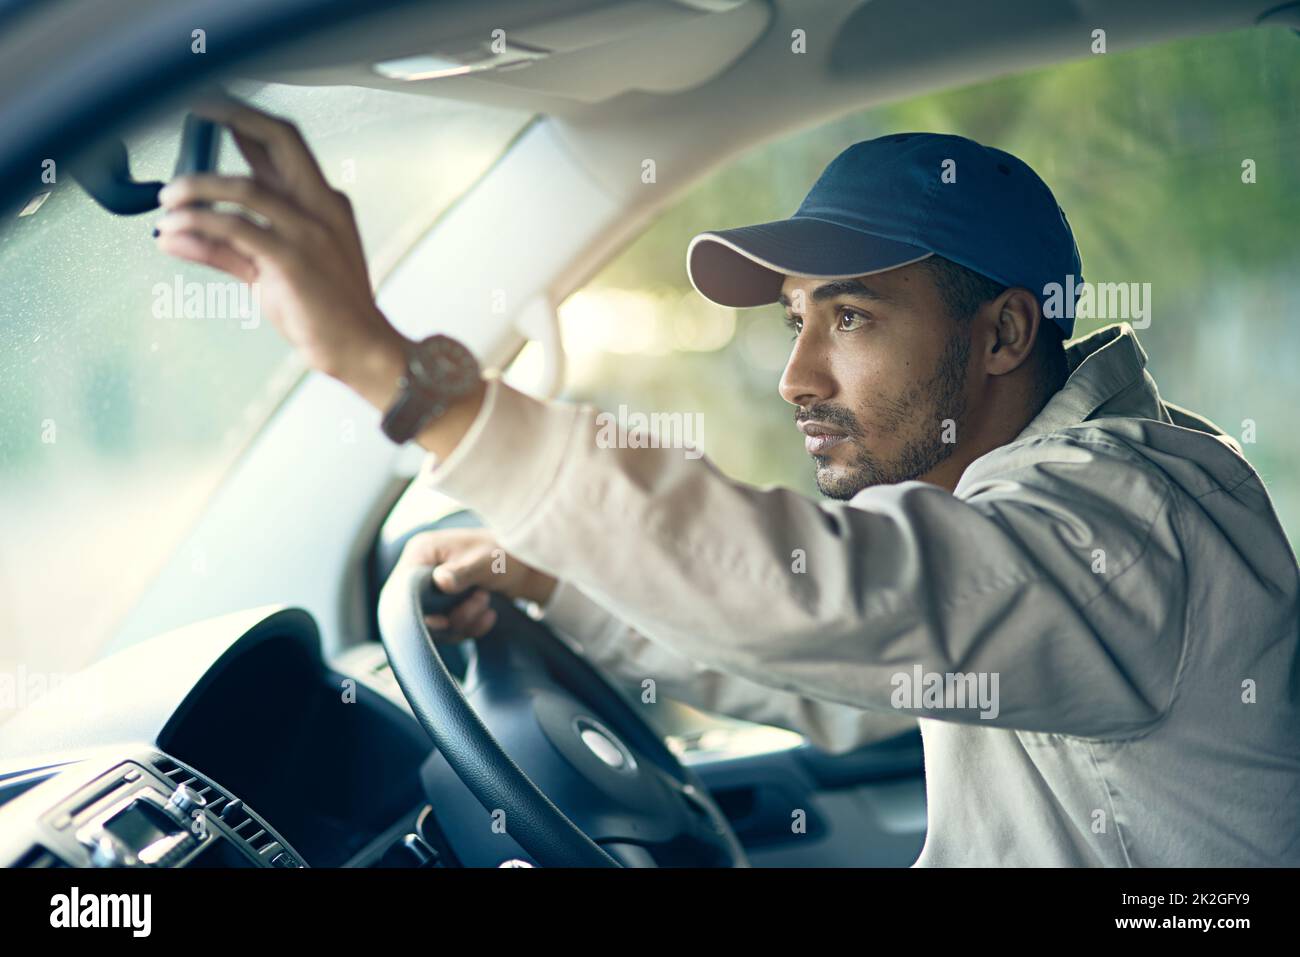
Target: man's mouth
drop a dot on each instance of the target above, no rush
(819, 438)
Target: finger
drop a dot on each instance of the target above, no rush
(281, 159)
(445, 577)
(208, 252)
(283, 216)
(468, 611)
(336, 209)
(440, 633)
(257, 157)
(245, 237)
(481, 625)
(290, 159)
(425, 548)
(217, 104)
(461, 571)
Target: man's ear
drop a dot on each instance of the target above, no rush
(1009, 326)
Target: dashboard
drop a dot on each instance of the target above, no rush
(230, 743)
(145, 811)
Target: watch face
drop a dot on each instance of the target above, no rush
(450, 367)
(441, 370)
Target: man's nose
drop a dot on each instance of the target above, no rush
(807, 378)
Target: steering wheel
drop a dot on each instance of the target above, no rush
(624, 792)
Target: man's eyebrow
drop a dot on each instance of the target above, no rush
(840, 287)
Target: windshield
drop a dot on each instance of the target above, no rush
(132, 381)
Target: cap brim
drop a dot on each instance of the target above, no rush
(746, 266)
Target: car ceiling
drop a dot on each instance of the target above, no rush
(607, 54)
(72, 70)
(710, 79)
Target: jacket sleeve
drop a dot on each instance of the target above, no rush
(632, 657)
(1046, 595)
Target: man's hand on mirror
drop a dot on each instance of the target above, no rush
(296, 237)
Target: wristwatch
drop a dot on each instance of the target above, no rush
(439, 370)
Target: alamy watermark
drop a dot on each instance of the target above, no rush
(1076, 299)
(209, 300)
(653, 430)
(931, 690)
(74, 909)
(23, 687)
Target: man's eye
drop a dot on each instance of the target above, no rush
(851, 319)
(794, 324)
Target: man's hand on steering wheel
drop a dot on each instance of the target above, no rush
(471, 558)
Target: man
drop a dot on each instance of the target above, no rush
(1079, 590)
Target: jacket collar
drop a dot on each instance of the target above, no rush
(1108, 376)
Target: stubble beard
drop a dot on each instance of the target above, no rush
(919, 414)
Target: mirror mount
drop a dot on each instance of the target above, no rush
(104, 171)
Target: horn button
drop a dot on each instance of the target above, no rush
(598, 754)
(604, 744)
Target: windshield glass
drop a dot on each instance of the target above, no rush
(132, 380)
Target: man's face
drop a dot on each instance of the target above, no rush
(878, 372)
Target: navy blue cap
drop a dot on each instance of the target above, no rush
(885, 203)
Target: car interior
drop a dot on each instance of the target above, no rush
(253, 686)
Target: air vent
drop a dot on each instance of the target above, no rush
(251, 831)
(178, 774)
(248, 828)
(40, 857)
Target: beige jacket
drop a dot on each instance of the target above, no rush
(1097, 631)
